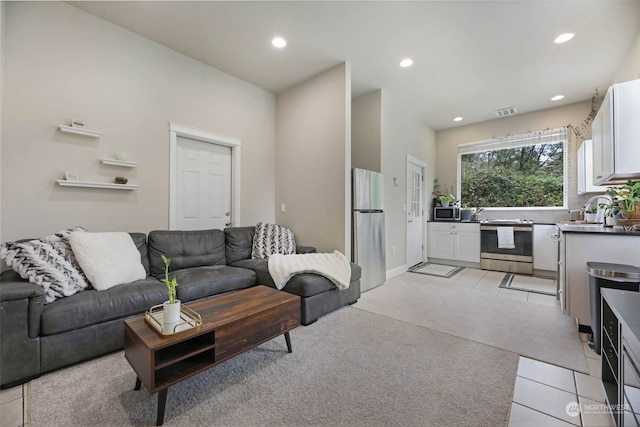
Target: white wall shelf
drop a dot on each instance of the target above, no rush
(80, 131)
(88, 184)
(123, 163)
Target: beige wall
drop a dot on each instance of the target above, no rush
(630, 67)
(313, 160)
(574, 114)
(60, 63)
(384, 134)
(366, 131)
(403, 133)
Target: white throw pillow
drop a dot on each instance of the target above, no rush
(107, 259)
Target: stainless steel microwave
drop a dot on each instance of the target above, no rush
(450, 213)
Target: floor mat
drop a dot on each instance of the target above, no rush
(439, 270)
(529, 284)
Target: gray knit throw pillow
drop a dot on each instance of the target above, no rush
(272, 239)
(48, 262)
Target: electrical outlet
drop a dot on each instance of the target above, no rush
(283, 208)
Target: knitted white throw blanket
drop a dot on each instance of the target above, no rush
(335, 267)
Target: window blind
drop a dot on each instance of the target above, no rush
(547, 136)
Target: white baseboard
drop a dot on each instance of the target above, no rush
(396, 271)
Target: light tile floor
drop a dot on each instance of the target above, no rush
(541, 395)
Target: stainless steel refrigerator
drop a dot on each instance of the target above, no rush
(368, 227)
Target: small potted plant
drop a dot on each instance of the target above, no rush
(590, 214)
(627, 197)
(171, 307)
(446, 199)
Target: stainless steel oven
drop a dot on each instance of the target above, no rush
(514, 257)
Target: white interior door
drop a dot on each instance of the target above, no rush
(203, 185)
(415, 213)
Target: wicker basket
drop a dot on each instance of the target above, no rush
(634, 214)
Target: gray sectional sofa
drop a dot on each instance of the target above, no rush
(36, 338)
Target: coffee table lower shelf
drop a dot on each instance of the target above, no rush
(232, 324)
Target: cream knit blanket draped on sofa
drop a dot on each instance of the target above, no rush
(334, 266)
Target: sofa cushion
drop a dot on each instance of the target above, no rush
(48, 262)
(272, 239)
(303, 285)
(185, 249)
(140, 240)
(92, 307)
(201, 282)
(239, 241)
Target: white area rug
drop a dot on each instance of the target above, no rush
(439, 270)
(529, 284)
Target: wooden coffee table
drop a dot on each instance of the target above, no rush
(231, 324)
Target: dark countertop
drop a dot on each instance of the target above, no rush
(595, 229)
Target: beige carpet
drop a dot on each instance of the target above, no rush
(534, 330)
(351, 368)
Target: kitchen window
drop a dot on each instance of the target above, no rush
(519, 171)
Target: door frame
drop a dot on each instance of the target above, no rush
(423, 165)
(175, 131)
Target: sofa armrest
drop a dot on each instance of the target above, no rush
(305, 249)
(19, 295)
(21, 304)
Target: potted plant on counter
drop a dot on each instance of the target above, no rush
(590, 214)
(627, 196)
(171, 307)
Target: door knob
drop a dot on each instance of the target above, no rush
(227, 213)
(227, 224)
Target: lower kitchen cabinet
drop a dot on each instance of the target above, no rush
(454, 241)
(580, 248)
(545, 249)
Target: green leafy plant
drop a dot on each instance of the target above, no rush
(626, 196)
(171, 284)
(592, 210)
(446, 197)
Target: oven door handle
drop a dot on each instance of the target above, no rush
(495, 227)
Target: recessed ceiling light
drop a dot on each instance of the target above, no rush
(279, 42)
(562, 38)
(457, 119)
(557, 97)
(407, 62)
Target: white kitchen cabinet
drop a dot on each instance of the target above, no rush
(454, 241)
(615, 131)
(580, 248)
(585, 170)
(545, 250)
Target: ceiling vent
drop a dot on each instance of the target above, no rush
(506, 112)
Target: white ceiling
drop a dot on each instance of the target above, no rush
(470, 57)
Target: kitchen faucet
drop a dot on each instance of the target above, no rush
(599, 209)
(587, 205)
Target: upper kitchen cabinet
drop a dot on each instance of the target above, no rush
(615, 133)
(585, 170)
